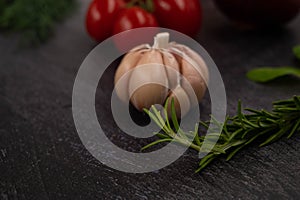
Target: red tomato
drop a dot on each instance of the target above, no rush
(133, 17)
(181, 15)
(100, 18)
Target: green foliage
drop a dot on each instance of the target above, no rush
(237, 132)
(33, 18)
(296, 51)
(266, 74)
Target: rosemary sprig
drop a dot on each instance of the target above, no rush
(237, 132)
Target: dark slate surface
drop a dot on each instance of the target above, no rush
(41, 156)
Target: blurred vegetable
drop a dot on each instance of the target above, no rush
(108, 17)
(100, 18)
(133, 17)
(184, 16)
(259, 12)
(33, 18)
(181, 15)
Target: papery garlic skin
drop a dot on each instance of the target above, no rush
(165, 70)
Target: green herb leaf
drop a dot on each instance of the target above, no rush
(157, 142)
(266, 74)
(174, 116)
(296, 51)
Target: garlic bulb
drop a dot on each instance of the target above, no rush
(152, 74)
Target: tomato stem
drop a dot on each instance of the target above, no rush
(132, 3)
(147, 5)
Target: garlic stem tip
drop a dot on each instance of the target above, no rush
(161, 40)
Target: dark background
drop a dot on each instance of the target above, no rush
(41, 155)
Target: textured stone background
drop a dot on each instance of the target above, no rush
(41, 156)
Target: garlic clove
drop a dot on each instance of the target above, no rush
(193, 83)
(148, 84)
(128, 63)
(196, 59)
(194, 70)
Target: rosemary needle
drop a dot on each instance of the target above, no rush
(238, 131)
